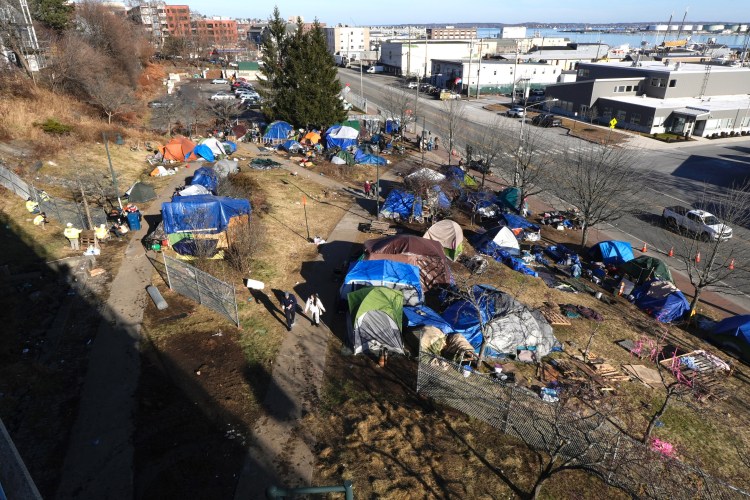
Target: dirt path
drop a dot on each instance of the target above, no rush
(99, 460)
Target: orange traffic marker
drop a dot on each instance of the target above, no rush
(731, 265)
(644, 249)
(671, 252)
(697, 257)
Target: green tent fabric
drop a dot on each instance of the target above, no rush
(510, 197)
(346, 156)
(376, 314)
(353, 124)
(646, 268)
(469, 181)
(141, 192)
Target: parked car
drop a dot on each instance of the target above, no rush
(220, 96)
(516, 112)
(546, 120)
(412, 85)
(704, 224)
(218, 81)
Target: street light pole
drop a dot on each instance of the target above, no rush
(520, 138)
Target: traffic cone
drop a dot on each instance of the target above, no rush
(731, 265)
(644, 248)
(697, 257)
(671, 252)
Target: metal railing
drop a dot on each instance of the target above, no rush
(275, 492)
(201, 287)
(590, 440)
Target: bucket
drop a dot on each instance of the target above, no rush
(467, 371)
(498, 369)
(598, 295)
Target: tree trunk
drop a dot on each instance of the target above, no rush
(584, 234)
(658, 414)
(696, 299)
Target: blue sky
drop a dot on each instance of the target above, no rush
(373, 12)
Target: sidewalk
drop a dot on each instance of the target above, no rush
(99, 460)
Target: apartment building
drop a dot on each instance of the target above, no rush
(219, 32)
(451, 33)
(348, 40)
(178, 20)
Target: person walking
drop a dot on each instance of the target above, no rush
(315, 306)
(41, 220)
(73, 234)
(289, 304)
(368, 186)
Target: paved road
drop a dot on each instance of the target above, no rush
(674, 174)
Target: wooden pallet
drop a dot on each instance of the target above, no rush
(555, 318)
(381, 227)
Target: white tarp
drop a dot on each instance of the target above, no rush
(507, 241)
(214, 145)
(194, 189)
(225, 167)
(338, 161)
(344, 132)
(426, 174)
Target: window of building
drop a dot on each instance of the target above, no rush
(620, 88)
(635, 118)
(672, 83)
(654, 82)
(629, 88)
(620, 115)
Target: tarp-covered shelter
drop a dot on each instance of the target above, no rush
(450, 235)
(194, 190)
(508, 324)
(459, 178)
(611, 252)
(216, 147)
(510, 197)
(385, 273)
(178, 149)
(424, 175)
(206, 177)
(225, 167)
(140, 192)
(341, 136)
(375, 315)
(502, 237)
(204, 152)
(202, 213)
(734, 333)
(422, 315)
(401, 205)
(290, 146)
(523, 229)
(662, 300)
(277, 132)
(645, 268)
(362, 158)
(426, 254)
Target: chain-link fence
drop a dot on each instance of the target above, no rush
(356, 100)
(202, 288)
(583, 438)
(62, 210)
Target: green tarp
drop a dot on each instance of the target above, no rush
(376, 314)
(646, 268)
(346, 156)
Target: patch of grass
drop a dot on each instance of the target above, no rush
(259, 341)
(54, 127)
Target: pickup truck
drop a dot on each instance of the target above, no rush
(699, 222)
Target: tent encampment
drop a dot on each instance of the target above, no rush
(206, 177)
(384, 273)
(277, 132)
(662, 300)
(201, 213)
(508, 324)
(645, 268)
(375, 315)
(611, 252)
(141, 192)
(426, 254)
(291, 146)
(178, 149)
(450, 235)
(203, 151)
(401, 205)
(341, 136)
(216, 147)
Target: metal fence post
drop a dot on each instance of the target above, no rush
(198, 287)
(236, 311)
(166, 268)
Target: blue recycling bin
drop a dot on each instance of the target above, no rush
(134, 221)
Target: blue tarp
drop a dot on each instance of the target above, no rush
(391, 126)
(611, 252)
(277, 131)
(386, 273)
(442, 199)
(204, 152)
(189, 246)
(514, 221)
(400, 204)
(201, 213)
(486, 246)
(291, 145)
(424, 316)
(229, 146)
(459, 178)
(662, 300)
(369, 159)
(206, 177)
(736, 326)
(341, 136)
(560, 253)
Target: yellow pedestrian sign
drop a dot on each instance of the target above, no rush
(612, 123)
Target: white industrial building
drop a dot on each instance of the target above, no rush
(513, 32)
(415, 57)
(493, 76)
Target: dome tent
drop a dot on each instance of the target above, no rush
(385, 273)
(277, 132)
(426, 254)
(141, 192)
(341, 136)
(449, 234)
(645, 268)
(375, 315)
(611, 252)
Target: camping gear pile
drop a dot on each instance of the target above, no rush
(182, 149)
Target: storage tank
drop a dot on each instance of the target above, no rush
(713, 27)
(658, 27)
(732, 27)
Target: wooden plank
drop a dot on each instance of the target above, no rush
(555, 318)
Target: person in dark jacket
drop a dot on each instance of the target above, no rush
(289, 305)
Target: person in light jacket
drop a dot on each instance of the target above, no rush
(315, 306)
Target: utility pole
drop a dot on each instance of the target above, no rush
(112, 171)
(479, 68)
(515, 75)
(468, 77)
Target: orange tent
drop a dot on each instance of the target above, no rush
(179, 149)
(313, 137)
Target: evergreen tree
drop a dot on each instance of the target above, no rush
(53, 14)
(323, 88)
(273, 47)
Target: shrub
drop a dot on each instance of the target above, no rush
(52, 126)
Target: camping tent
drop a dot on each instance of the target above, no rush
(216, 147)
(178, 149)
(459, 178)
(375, 315)
(508, 323)
(523, 229)
(428, 255)
(225, 167)
(291, 146)
(385, 273)
(424, 175)
(346, 156)
(611, 252)
(206, 177)
(401, 205)
(341, 136)
(450, 235)
(204, 152)
(141, 192)
(734, 334)
(645, 268)
(662, 300)
(201, 213)
(509, 197)
(229, 146)
(313, 137)
(277, 132)
(503, 239)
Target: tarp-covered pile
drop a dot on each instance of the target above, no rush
(523, 229)
(384, 273)
(341, 136)
(460, 179)
(363, 158)
(202, 213)
(662, 300)
(502, 245)
(401, 205)
(426, 254)
(206, 177)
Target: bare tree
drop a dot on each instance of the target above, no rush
(71, 53)
(225, 111)
(399, 105)
(711, 261)
(170, 113)
(488, 147)
(110, 96)
(453, 120)
(599, 181)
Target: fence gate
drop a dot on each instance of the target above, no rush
(201, 287)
